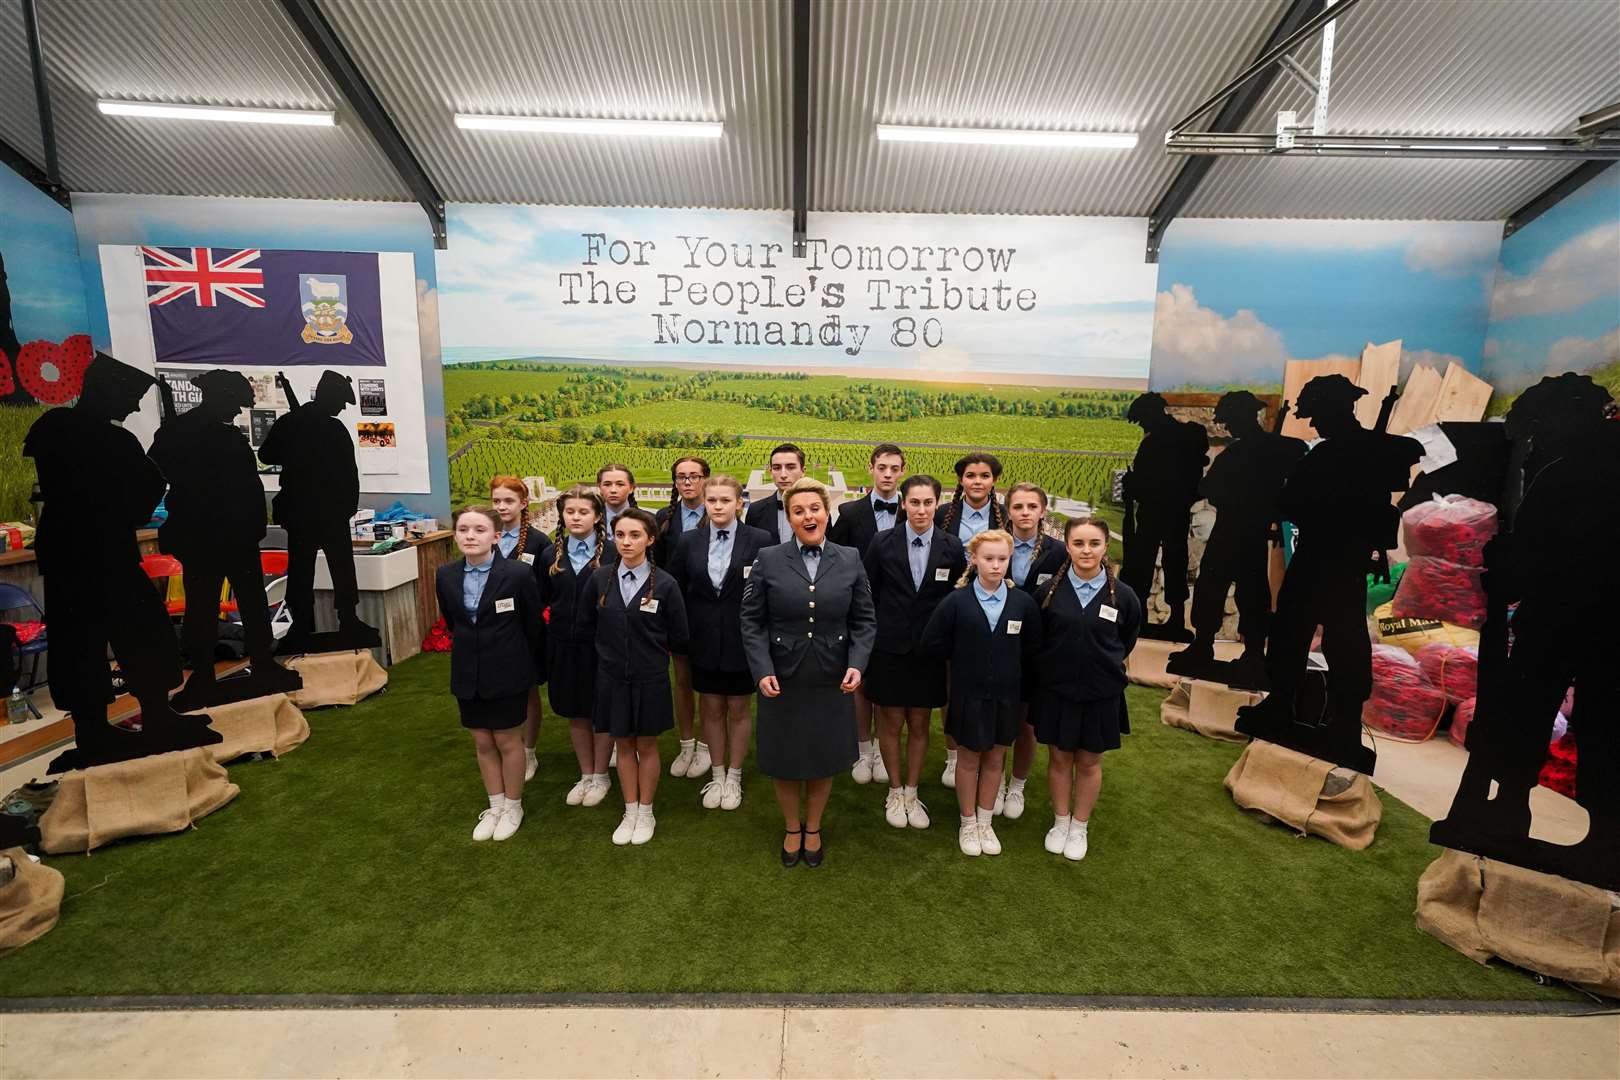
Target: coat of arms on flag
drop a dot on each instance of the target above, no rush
(247, 307)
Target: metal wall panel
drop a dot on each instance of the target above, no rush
(19, 119)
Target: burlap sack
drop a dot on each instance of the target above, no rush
(336, 678)
(1173, 711)
(1145, 665)
(270, 724)
(158, 794)
(29, 903)
(1212, 710)
(1541, 922)
(1294, 789)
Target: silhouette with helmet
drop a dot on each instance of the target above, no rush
(1339, 499)
(1244, 484)
(1160, 489)
(320, 489)
(216, 520)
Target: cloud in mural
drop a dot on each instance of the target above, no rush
(1452, 252)
(1577, 272)
(1191, 343)
(1583, 354)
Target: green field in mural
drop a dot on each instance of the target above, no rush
(563, 421)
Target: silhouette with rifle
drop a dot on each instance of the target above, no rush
(96, 593)
(216, 520)
(1160, 489)
(1339, 498)
(1560, 564)
(320, 489)
(1244, 485)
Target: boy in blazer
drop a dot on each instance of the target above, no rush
(770, 514)
(912, 567)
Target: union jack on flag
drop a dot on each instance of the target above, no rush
(204, 274)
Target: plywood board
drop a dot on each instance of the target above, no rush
(1463, 396)
(1380, 367)
(1416, 405)
(1299, 372)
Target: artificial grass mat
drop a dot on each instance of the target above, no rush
(348, 867)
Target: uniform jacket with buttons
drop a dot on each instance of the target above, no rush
(787, 618)
(903, 609)
(715, 615)
(634, 640)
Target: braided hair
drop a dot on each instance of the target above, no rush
(1108, 571)
(614, 466)
(998, 516)
(580, 491)
(512, 483)
(648, 523)
(1040, 530)
(988, 536)
(675, 503)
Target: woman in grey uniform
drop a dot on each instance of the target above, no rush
(808, 625)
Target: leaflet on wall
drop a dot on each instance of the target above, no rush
(373, 397)
(186, 396)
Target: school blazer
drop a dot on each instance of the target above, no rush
(856, 526)
(499, 655)
(986, 665)
(762, 515)
(539, 545)
(714, 616)
(1052, 558)
(788, 619)
(902, 609)
(664, 546)
(997, 512)
(633, 642)
(1082, 654)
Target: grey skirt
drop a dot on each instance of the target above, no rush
(808, 731)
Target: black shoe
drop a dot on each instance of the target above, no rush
(812, 859)
(791, 859)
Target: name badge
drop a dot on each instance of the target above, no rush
(942, 574)
(747, 570)
(649, 605)
(507, 604)
(1042, 579)
(527, 557)
(1111, 614)
(1014, 626)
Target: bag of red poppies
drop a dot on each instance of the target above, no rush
(1460, 719)
(1450, 527)
(1403, 705)
(1452, 669)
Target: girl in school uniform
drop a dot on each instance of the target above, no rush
(635, 614)
(570, 654)
(509, 498)
(617, 486)
(711, 564)
(990, 634)
(492, 607)
(683, 514)
(1089, 623)
(1036, 559)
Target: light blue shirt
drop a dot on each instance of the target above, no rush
(612, 516)
(690, 517)
(885, 519)
(473, 580)
(1023, 555)
(917, 554)
(973, 521)
(631, 581)
(580, 552)
(992, 604)
(784, 531)
(720, 545)
(508, 540)
(812, 563)
(1085, 589)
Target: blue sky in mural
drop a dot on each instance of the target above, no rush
(1556, 302)
(42, 263)
(1239, 298)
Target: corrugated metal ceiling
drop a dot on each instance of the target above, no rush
(1425, 66)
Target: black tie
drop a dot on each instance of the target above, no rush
(629, 576)
(812, 551)
(886, 508)
(917, 542)
(722, 533)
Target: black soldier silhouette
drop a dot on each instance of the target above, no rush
(96, 594)
(1160, 488)
(216, 520)
(1339, 498)
(1559, 564)
(1244, 484)
(320, 489)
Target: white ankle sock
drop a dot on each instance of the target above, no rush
(909, 792)
(1062, 822)
(515, 804)
(969, 821)
(718, 772)
(1017, 784)
(528, 752)
(1081, 825)
(866, 749)
(646, 808)
(733, 774)
(688, 744)
(701, 745)
(497, 800)
(985, 815)
(950, 755)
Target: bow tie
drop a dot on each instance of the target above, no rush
(916, 542)
(722, 533)
(811, 551)
(882, 507)
(629, 575)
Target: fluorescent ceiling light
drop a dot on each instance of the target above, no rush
(160, 110)
(573, 125)
(1094, 140)
(1458, 146)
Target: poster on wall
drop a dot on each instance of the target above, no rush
(577, 336)
(281, 317)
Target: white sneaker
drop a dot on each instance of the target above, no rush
(713, 792)
(880, 772)
(967, 838)
(731, 794)
(989, 842)
(894, 808)
(1075, 848)
(531, 764)
(1056, 837)
(576, 794)
(701, 763)
(916, 813)
(1013, 808)
(682, 762)
(1001, 799)
(486, 824)
(627, 826)
(948, 777)
(645, 823)
(596, 789)
(511, 818)
(862, 772)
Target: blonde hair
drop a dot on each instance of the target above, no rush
(811, 485)
(988, 536)
(723, 480)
